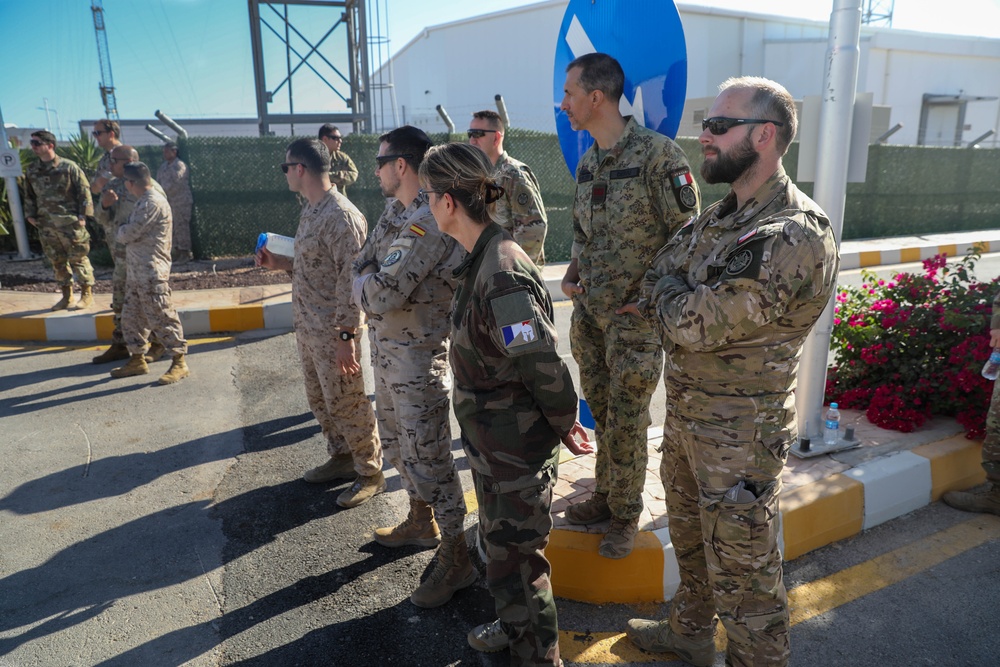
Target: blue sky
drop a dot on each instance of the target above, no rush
(191, 58)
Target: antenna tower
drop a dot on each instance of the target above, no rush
(877, 12)
(107, 86)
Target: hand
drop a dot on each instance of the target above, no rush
(569, 288)
(994, 338)
(34, 223)
(631, 308)
(576, 440)
(98, 184)
(268, 260)
(81, 221)
(108, 198)
(347, 364)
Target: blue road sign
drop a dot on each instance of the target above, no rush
(647, 38)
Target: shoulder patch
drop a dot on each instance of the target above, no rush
(684, 189)
(746, 259)
(517, 326)
(523, 199)
(585, 177)
(398, 251)
(417, 229)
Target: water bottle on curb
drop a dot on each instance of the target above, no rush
(831, 427)
(992, 368)
(276, 244)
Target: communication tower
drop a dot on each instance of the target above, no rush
(107, 86)
(877, 12)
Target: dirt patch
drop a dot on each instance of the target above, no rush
(36, 276)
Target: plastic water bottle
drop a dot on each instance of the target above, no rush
(992, 368)
(276, 244)
(831, 427)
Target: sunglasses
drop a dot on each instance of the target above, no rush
(285, 165)
(98, 133)
(720, 124)
(383, 160)
(36, 143)
(335, 137)
(478, 134)
(427, 193)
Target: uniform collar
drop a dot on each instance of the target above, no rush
(765, 194)
(491, 230)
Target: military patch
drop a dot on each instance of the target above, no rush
(598, 193)
(523, 199)
(518, 334)
(517, 325)
(624, 173)
(746, 237)
(683, 184)
(417, 229)
(397, 252)
(585, 177)
(745, 261)
(687, 197)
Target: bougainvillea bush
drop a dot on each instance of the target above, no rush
(913, 347)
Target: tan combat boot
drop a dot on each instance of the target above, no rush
(452, 572)
(86, 298)
(155, 352)
(364, 489)
(419, 529)
(987, 500)
(657, 637)
(338, 467)
(177, 371)
(592, 510)
(67, 294)
(116, 352)
(488, 637)
(136, 366)
(620, 538)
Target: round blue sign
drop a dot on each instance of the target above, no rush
(647, 39)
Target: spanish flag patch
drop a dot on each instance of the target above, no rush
(418, 230)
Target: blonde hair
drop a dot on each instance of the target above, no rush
(464, 172)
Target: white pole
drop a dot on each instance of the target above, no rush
(14, 201)
(840, 83)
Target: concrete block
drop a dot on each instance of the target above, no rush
(894, 485)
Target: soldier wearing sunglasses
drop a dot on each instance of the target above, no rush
(734, 294)
(342, 170)
(107, 133)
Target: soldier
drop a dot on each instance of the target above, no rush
(148, 307)
(173, 175)
(520, 210)
(735, 294)
(403, 282)
(634, 190)
(108, 134)
(514, 400)
(342, 169)
(113, 209)
(57, 200)
(330, 233)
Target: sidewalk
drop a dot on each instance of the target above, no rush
(824, 499)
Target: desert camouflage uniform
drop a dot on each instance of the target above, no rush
(734, 295)
(520, 210)
(55, 194)
(111, 219)
(148, 308)
(991, 443)
(515, 402)
(627, 206)
(326, 242)
(407, 302)
(342, 171)
(174, 178)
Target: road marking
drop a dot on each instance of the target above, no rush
(812, 599)
(100, 346)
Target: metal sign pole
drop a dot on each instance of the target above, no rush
(14, 200)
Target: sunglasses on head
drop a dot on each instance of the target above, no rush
(383, 160)
(478, 134)
(285, 165)
(720, 124)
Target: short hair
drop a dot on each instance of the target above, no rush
(464, 172)
(313, 153)
(138, 172)
(491, 117)
(128, 151)
(109, 125)
(171, 145)
(408, 140)
(326, 130)
(599, 71)
(770, 101)
(45, 135)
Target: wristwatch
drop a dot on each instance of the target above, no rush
(346, 335)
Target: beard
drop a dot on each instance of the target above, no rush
(728, 166)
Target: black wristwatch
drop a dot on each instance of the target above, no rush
(346, 335)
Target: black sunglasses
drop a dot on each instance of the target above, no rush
(383, 160)
(335, 137)
(98, 133)
(285, 165)
(720, 124)
(478, 134)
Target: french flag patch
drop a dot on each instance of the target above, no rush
(518, 334)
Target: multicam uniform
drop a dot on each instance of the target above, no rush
(326, 242)
(520, 210)
(173, 176)
(56, 194)
(991, 442)
(735, 293)
(515, 402)
(148, 308)
(628, 204)
(407, 301)
(342, 170)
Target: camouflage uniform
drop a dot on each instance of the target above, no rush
(342, 171)
(407, 301)
(734, 294)
(991, 443)
(627, 206)
(520, 210)
(56, 194)
(173, 176)
(515, 402)
(148, 308)
(326, 242)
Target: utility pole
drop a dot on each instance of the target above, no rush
(107, 86)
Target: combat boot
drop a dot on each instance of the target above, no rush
(488, 637)
(592, 510)
(67, 294)
(116, 352)
(136, 366)
(337, 468)
(86, 298)
(419, 529)
(178, 370)
(619, 539)
(987, 500)
(155, 352)
(452, 572)
(657, 637)
(365, 488)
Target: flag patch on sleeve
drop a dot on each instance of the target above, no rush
(520, 333)
(418, 230)
(680, 180)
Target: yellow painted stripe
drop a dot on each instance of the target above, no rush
(580, 573)
(105, 325)
(821, 513)
(64, 348)
(955, 464)
(236, 318)
(25, 328)
(950, 250)
(909, 255)
(870, 258)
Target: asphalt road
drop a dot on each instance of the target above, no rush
(161, 526)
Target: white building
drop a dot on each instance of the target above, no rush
(942, 89)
